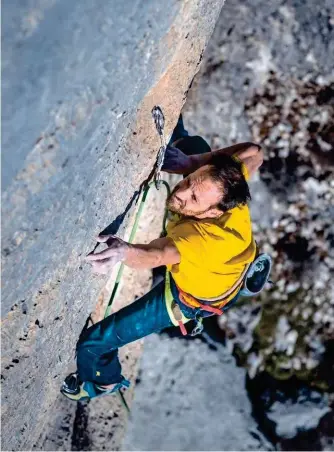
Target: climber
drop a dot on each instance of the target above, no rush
(208, 249)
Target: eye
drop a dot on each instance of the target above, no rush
(193, 197)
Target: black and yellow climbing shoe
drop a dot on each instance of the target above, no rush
(75, 390)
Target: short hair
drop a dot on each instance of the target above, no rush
(227, 171)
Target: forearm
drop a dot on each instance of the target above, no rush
(204, 159)
(143, 256)
(159, 252)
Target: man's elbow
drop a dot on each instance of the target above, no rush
(171, 255)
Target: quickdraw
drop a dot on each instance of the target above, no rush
(159, 121)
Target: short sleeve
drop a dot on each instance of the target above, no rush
(205, 244)
(189, 241)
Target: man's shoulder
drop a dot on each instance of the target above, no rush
(237, 213)
(235, 220)
(238, 222)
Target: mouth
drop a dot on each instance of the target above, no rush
(175, 202)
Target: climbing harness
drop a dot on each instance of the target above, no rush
(251, 282)
(173, 309)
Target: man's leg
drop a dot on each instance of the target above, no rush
(179, 131)
(187, 144)
(97, 349)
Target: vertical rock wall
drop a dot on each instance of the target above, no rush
(79, 82)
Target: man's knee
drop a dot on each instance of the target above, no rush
(98, 334)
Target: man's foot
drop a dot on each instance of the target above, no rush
(75, 390)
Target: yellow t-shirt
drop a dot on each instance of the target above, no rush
(213, 252)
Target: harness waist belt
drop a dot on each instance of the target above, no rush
(206, 302)
(226, 294)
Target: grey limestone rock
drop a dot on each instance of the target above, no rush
(79, 82)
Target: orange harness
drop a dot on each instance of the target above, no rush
(196, 304)
(207, 305)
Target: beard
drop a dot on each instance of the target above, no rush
(175, 206)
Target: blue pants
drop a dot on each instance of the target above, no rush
(97, 348)
(189, 145)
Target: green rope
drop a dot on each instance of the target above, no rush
(131, 238)
(123, 401)
(121, 268)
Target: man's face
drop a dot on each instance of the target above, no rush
(196, 195)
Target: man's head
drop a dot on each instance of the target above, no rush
(211, 190)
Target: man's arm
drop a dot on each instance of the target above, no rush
(159, 252)
(177, 162)
(248, 153)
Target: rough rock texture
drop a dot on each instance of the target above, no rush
(100, 424)
(79, 82)
(266, 76)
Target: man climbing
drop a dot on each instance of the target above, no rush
(208, 249)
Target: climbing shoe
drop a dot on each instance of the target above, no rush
(75, 390)
(257, 276)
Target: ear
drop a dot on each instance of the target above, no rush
(212, 213)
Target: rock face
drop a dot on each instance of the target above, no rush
(101, 423)
(79, 82)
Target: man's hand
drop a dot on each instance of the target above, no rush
(104, 261)
(177, 162)
(252, 157)
(156, 253)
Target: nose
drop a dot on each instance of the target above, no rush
(181, 194)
